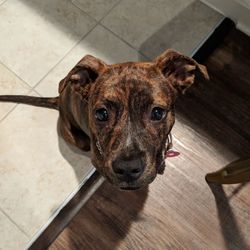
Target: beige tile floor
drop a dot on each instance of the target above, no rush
(40, 41)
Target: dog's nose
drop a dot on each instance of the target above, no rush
(128, 170)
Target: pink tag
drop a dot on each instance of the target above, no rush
(172, 153)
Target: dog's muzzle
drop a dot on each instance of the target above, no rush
(128, 170)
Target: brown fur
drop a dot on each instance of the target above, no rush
(129, 91)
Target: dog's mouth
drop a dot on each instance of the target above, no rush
(135, 185)
(129, 188)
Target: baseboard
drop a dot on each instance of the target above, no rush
(206, 47)
(235, 10)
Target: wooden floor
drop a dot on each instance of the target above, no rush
(179, 210)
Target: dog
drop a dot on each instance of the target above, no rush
(122, 112)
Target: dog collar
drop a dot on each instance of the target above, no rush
(99, 147)
(170, 152)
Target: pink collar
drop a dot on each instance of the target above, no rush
(170, 152)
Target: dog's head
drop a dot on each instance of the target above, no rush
(130, 112)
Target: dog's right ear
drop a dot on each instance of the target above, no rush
(85, 72)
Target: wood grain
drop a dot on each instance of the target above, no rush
(179, 210)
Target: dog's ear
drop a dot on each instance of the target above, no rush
(85, 72)
(179, 69)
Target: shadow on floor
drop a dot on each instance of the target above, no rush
(73, 156)
(106, 202)
(219, 110)
(233, 239)
(62, 14)
(184, 32)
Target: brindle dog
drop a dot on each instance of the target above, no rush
(123, 112)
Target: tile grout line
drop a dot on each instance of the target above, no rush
(15, 106)
(68, 52)
(112, 32)
(30, 89)
(3, 2)
(14, 73)
(83, 11)
(127, 43)
(107, 13)
(5, 116)
(116, 35)
(106, 28)
(37, 92)
(33, 88)
(9, 218)
(78, 42)
(96, 20)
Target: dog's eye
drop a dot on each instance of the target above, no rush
(101, 115)
(157, 114)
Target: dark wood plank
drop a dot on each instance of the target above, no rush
(227, 95)
(179, 210)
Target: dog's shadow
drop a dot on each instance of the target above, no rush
(106, 218)
(79, 160)
(110, 207)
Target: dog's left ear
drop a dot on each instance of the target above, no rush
(85, 72)
(179, 69)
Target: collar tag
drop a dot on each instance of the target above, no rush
(172, 153)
